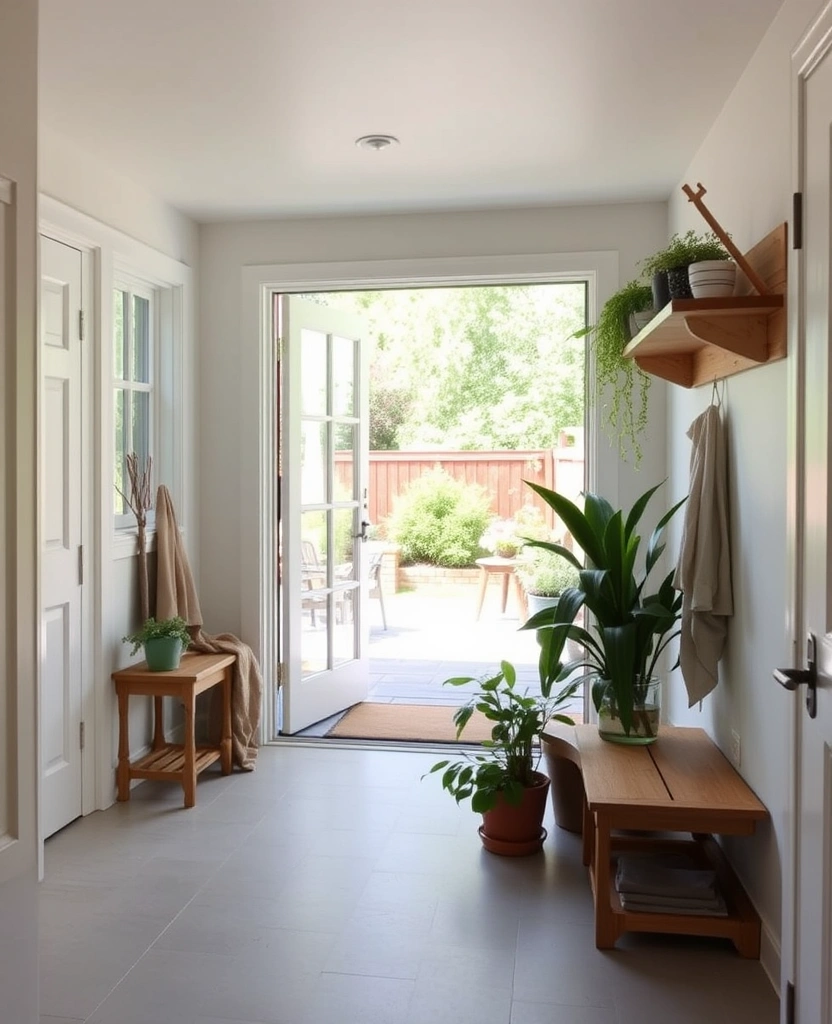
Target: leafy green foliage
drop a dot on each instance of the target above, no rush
(625, 417)
(512, 756)
(176, 629)
(544, 572)
(476, 368)
(684, 250)
(439, 520)
(632, 626)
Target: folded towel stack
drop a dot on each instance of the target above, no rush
(670, 884)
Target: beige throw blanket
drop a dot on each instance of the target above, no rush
(176, 595)
(704, 569)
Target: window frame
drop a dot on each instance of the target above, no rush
(133, 286)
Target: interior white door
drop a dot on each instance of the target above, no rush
(813, 913)
(323, 498)
(61, 534)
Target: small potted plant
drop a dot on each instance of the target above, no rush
(500, 538)
(668, 268)
(163, 643)
(632, 625)
(625, 419)
(544, 576)
(503, 784)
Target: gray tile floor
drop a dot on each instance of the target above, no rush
(332, 886)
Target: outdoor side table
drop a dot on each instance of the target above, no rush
(170, 761)
(504, 569)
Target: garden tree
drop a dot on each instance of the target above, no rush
(475, 368)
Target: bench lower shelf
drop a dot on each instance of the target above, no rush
(741, 925)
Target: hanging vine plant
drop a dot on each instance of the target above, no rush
(624, 384)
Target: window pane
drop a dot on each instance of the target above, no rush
(140, 401)
(120, 303)
(120, 475)
(344, 526)
(313, 373)
(343, 636)
(343, 376)
(313, 463)
(141, 340)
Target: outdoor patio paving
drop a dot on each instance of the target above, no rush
(434, 635)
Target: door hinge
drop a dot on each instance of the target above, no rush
(83, 738)
(797, 220)
(281, 674)
(279, 348)
(81, 324)
(789, 1003)
(80, 565)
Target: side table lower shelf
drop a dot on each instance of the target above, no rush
(170, 760)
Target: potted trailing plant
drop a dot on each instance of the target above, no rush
(632, 625)
(163, 642)
(624, 419)
(503, 784)
(668, 268)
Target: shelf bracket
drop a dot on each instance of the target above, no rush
(744, 336)
(676, 369)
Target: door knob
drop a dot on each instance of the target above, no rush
(791, 678)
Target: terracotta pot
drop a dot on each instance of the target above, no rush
(516, 831)
(567, 787)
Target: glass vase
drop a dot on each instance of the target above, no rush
(644, 726)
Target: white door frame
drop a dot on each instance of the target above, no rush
(258, 365)
(809, 51)
(89, 593)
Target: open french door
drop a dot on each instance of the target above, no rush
(323, 512)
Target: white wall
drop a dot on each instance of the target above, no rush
(18, 334)
(745, 163)
(87, 184)
(633, 230)
(124, 226)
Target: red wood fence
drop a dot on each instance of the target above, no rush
(501, 473)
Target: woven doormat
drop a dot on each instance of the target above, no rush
(410, 723)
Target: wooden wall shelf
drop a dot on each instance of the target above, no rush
(696, 341)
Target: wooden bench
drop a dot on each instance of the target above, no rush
(681, 783)
(168, 762)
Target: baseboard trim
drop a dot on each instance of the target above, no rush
(770, 956)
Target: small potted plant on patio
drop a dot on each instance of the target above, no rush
(632, 625)
(544, 575)
(163, 643)
(503, 784)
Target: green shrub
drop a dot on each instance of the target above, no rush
(439, 520)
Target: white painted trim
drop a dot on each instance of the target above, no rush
(115, 255)
(258, 518)
(6, 191)
(806, 56)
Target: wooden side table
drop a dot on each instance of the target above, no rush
(169, 761)
(504, 568)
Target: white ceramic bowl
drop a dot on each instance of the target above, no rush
(712, 279)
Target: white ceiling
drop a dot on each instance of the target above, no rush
(239, 108)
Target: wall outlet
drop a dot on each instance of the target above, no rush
(735, 748)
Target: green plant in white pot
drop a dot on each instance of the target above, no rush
(632, 626)
(163, 643)
(544, 575)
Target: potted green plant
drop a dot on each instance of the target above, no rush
(614, 374)
(503, 784)
(163, 642)
(544, 576)
(668, 268)
(632, 625)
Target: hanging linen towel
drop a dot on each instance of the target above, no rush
(704, 570)
(176, 595)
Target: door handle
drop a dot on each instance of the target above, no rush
(363, 534)
(791, 678)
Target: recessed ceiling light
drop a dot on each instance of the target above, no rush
(376, 142)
